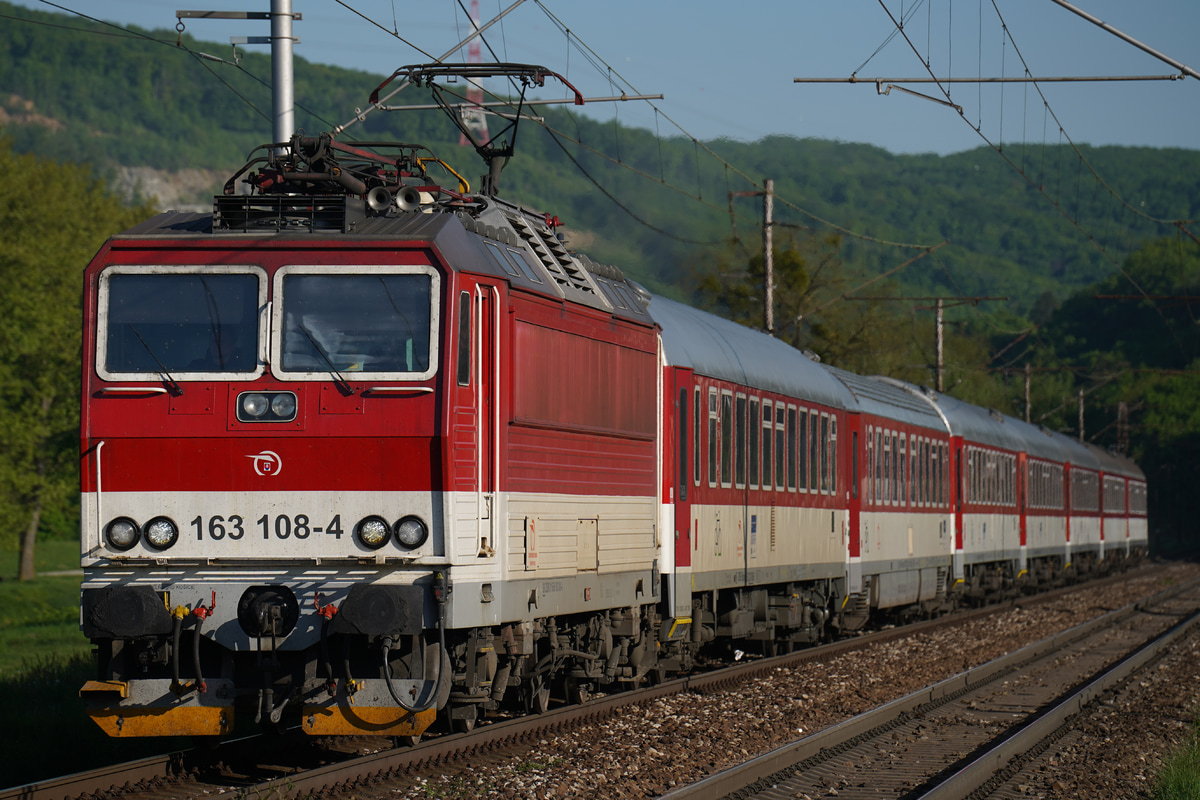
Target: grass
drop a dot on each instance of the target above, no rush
(1180, 775)
(44, 660)
(39, 619)
(50, 555)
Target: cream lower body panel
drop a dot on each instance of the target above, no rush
(991, 537)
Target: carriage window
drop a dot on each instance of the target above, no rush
(914, 474)
(803, 436)
(879, 465)
(870, 463)
(726, 439)
(377, 322)
(825, 485)
(924, 466)
(755, 457)
(780, 445)
(739, 443)
(768, 417)
(712, 437)
(813, 448)
(833, 459)
(898, 468)
(791, 448)
(174, 322)
(940, 466)
(854, 465)
(887, 468)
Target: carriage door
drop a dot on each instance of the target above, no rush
(684, 449)
(475, 417)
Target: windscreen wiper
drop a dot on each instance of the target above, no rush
(342, 384)
(171, 383)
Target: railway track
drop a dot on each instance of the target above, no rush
(969, 735)
(282, 767)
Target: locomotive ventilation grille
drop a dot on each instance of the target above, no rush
(269, 213)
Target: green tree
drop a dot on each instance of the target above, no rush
(46, 244)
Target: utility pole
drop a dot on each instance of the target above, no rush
(1081, 415)
(940, 336)
(1028, 405)
(1122, 427)
(768, 258)
(283, 105)
(768, 196)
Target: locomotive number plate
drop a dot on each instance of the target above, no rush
(269, 526)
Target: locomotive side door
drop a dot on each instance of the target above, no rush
(474, 416)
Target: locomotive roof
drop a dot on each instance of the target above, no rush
(505, 242)
(728, 351)
(890, 399)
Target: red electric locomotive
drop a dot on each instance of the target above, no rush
(340, 454)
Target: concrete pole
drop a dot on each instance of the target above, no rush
(1081, 415)
(1028, 409)
(941, 385)
(768, 257)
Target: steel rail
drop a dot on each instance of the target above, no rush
(97, 781)
(828, 741)
(989, 766)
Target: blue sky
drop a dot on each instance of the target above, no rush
(726, 69)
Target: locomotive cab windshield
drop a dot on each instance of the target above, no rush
(377, 322)
(179, 322)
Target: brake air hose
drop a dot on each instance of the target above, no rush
(176, 634)
(437, 691)
(200, 613)
(200, 684)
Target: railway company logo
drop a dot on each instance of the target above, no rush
(267, 463)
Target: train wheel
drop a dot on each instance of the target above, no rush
(464, 724)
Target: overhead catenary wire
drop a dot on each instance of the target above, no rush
(1039, 187)
(601, 66)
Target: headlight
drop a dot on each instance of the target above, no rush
(255, 405)
(121, 533)
(266, 407)
(373, 532)
(284, 405)
(411, 532)
(161, 533)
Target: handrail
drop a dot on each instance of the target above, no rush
(131, 390)
(382, 389)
